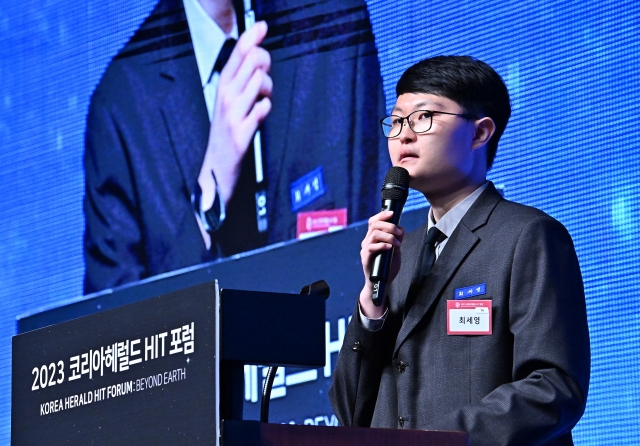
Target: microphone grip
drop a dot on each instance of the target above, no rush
(382, 262)
(379, 288)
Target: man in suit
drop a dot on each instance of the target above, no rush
(524, 381)
(170, 173)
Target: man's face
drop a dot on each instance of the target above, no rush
(441, 160)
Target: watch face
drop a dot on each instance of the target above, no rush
(213, 217)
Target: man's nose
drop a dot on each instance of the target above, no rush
(407, 133)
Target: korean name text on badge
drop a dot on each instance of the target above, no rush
(470, 291)
(469, 317)
(307, 188)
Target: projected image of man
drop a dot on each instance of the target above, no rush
(172, 175)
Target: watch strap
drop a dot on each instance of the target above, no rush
(213, 217)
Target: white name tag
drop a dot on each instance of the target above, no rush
(469, 317)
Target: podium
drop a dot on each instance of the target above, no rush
(168, 370)
(253, 433)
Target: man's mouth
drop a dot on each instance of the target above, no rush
(407, 155)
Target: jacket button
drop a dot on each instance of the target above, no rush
(401, 421)
(356, 346)
(401, 367)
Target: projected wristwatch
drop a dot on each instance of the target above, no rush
(213, 217)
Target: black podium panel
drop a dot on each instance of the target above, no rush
(272, 328)
(161, 371)
(140, 374)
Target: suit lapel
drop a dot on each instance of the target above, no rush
(183, 107)
(412, 255)
(185, 115)
(448, 262)
(461, 243)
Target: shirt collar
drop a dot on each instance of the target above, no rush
(449, 221)
(207, 37)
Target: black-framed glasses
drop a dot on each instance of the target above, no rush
(420, 121)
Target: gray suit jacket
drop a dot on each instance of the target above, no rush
(525, 384)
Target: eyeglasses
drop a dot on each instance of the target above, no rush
(419, 121)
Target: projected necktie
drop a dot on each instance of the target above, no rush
(223, 57)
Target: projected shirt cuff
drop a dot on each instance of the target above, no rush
(372, 324)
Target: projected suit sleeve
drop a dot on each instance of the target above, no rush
(524, 384)
(147, 132)
(113, 238)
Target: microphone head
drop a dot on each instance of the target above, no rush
(396, 184)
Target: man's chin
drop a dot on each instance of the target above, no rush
(424, 183)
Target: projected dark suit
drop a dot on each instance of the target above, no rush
(147, 132)
(524, 384)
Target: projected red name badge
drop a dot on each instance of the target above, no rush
(319, 222)
(469, 317)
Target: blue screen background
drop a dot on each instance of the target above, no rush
(570, 149)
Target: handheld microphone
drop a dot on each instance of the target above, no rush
(394, 195)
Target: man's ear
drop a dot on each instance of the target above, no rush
(485, 128)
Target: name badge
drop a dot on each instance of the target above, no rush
(469, 317)
(306, 189)
(314, 223)
(470, 291)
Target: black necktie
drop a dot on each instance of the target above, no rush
(434, 236)
(223, 57)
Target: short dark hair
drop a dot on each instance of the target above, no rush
(470, 82)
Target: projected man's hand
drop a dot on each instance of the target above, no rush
(242, 103)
